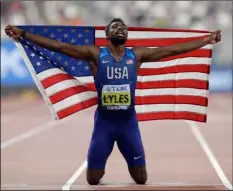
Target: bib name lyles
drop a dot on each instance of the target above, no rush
(116, 96)
(117, 99)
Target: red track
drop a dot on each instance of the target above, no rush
(175, 159)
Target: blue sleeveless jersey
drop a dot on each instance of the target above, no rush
(115, 81)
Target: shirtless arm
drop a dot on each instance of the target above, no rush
(89, 52)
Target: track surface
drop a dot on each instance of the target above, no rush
(38, 153)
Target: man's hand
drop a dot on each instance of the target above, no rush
(214, 37)
(13, 32)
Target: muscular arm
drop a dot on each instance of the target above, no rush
(79, 52)
(88, 53)
(144, 54)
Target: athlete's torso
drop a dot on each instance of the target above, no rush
(115, 81)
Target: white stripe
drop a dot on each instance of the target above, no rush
(204, 47)
(75, 99)
(76, 174)
(174, 76)
(162, 77)
(62, 86)
(178, 61)
(153, 34)
(85, 80)
(170, 107)
(171, 91)
(28, 134)
(50, 72)
(214, 162)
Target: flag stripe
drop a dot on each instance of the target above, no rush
(196, 53)
(156, 30)
(202, 68)
(47, 73)
(170, 107)
(171, 99)
(77, 107)
(72, 100)
(55, 79)
(55, 88)
(174, 76)
(149, 41)
(171, 91)
(204, 47)
(172, 115)
(70, 91)
(197, 84)
(153, 34)
(181, 61)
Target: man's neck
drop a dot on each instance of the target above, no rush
(116, 51)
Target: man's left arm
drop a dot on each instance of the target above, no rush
(144, 54)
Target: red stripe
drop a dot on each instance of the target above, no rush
(198, 84)
(149, 42)
(77, 107)
(55, 79)
(202, 68)
(200, 53)
(67, 93)
(170, 99)
(157, 29)
(172, 115)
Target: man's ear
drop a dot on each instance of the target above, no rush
(107, 35)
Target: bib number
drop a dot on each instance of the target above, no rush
(115, 97)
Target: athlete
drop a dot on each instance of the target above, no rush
(115, 70)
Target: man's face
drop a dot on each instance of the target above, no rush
(118, 32)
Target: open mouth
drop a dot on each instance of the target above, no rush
(120, 34)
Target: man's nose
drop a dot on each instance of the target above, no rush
(120, 28)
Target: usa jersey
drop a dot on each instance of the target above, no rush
(116, 80)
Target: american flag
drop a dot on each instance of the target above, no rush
(172, 88)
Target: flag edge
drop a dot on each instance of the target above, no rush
(37, 82)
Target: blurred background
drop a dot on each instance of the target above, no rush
(200, 15)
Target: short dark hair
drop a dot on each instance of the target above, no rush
(112, 21)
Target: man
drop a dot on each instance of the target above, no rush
(115, 70)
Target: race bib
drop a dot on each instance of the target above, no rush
(116, 97)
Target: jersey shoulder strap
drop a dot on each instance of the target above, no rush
(103, 52)
(130, 53)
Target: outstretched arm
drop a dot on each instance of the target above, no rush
(88, 53)
(144, 54)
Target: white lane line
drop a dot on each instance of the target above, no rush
(200, 138)
(77, 173)
(32, 132)
(27, 134)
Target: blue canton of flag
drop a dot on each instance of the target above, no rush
(43, 59)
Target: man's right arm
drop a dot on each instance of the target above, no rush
(86, 52)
